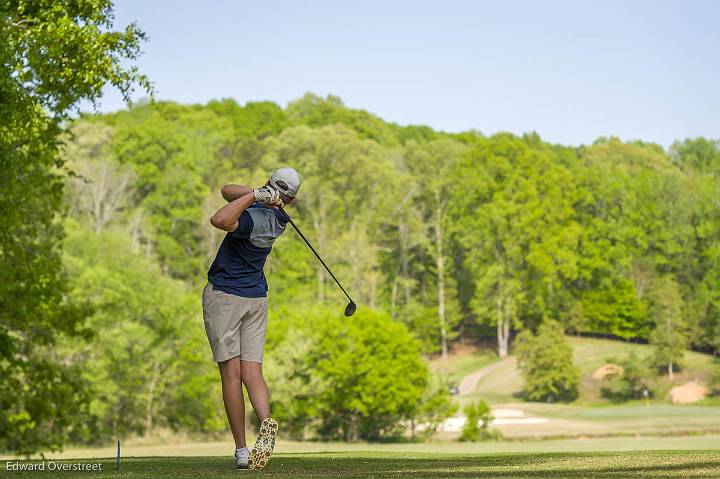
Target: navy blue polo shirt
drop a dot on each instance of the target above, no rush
(238, 265)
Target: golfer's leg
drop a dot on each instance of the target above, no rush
(252, 344)
(231, 374)
(256, 388)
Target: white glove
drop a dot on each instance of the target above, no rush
(266, 195)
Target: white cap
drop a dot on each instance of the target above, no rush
(286, 181)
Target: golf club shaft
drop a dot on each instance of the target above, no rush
(316, 254)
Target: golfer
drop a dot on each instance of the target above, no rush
(235, 305)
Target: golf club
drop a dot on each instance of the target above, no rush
(351, 307)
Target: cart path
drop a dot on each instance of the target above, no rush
(469, 383)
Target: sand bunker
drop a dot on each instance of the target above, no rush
(609, 369)
(689, 392)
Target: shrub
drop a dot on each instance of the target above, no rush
(631, 384)
(477, 427)
(546, 363)
(362, 379)
(436, 406)
(714, 379)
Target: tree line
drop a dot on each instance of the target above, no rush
(443, 235)
(449, 234)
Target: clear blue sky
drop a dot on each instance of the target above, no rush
(570, 70)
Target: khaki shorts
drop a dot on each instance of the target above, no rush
(235, 325)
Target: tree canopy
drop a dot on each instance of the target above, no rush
(54, 55)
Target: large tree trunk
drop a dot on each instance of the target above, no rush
(321, 285)
(98, 196)
(404, 233)
(319, 224)
(137, 233)
(213, 236)
(670, 370)
(406, 282)
(350, 430)
(114, 422)
(503, 328)
(373, 289)
(440, 263)
(107, 192)
(393, 296)
(401, 269)
(151, 397)
(362, 267)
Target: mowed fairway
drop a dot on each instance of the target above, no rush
(653, 464)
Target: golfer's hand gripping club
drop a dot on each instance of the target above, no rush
(266, 195)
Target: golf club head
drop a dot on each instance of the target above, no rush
(350, 308)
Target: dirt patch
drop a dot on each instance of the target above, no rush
(609, 369)
(463, 349)
(437, 365)
(690, 392)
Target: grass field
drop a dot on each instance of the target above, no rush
(589, 354)
(590, 415)
(463, 361)
(648, 464)
(221, 448)
(593, 438)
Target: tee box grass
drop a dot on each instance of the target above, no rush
(647, 464)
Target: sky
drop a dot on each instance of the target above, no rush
(572, 71)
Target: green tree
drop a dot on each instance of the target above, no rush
(697, 154)
(254, 119)
(635, 225)
(700, 260)
(545, 360)
(520, 241)
(374, 376)
(633, 383)
(146, 357)
(613, 307)
(353, 380)
(432, 165)
(477, 424)
(291, 375)
(179, 158)
(315, 111)
(100, 187)
(669, 336)
(435, 407)
(345, 182)
(53, 56)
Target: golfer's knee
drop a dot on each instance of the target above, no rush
(231, 370)
(252, 373)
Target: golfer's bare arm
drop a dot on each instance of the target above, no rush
(226, 218)
(233, 192)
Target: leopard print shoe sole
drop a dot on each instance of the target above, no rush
(260, 455)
